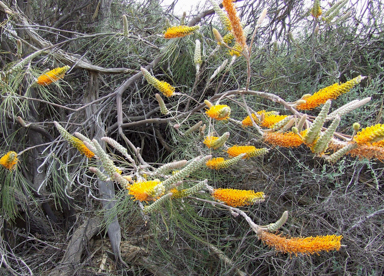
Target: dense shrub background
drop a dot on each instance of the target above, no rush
(183, 239)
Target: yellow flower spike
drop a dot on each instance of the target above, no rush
(219, 112)
(162, 86)
(370, 134)
(52, 76)
(213, 142)
(9, 160)
(236, 198)
(235, 22)
(286, 140)
(250, 151)
(147, 190)
(219, 162)
(316, 10)
(271, 120)
(236, 50)
(228, 38)
(75, 142)
(309, 245)
(179, 31)
(331, 92)
(218, 37)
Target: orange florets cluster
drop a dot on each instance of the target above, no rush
(327, 93)
(250, 151)
(179, 31)
(147, 190)
(52, 76)
(286, 140)
(9, 160)
(219, 112)
(309, 245)
(368, 151)
(235, 22)
(235, 198)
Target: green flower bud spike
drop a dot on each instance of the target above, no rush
(170, 166)
(163, 109)
(323, 142)
(99, 174)
(315, 129)
(194, 165)
(197, 57)
(191, 191)
(157, 204)
(194, 128)
(107, 163)
(118, 147)
(125, 24)
(341, 152)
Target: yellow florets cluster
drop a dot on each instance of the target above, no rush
(9, 160)
(179, 31)
(370, 134)
(209, 141)
(309, 245)
(215, 163)
(219, 112)
(235, 198)
(250, 151)
(147, 190)
(52, 76)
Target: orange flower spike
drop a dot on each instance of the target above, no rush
(331, 92)
(52, 76)
(250, 151)
(368, 151)
(309, 245)
(286, 140)
(9, 160)
(219, 112)
(179, 31)
(235, 23)
(236, 198)
(147, 190)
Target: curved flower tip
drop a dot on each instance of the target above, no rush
(147, 190)
(309, 245)
(219, 112)
(52, 76)
(236, 198)
(9, 160)
(250, 151)
(179, 31)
